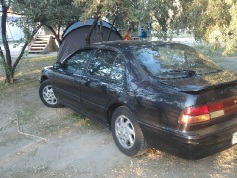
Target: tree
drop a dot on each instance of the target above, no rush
(162, 14)
(91, 8)
(6, 59)
(213, 21)
(54, 14)
(116, 11)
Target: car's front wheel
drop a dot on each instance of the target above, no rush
(47, 95)
(127, 133)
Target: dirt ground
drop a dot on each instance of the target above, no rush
(36, 141)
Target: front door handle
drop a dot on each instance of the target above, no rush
(82, 80)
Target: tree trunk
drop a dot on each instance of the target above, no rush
(88, 36)
(54, 33)
(6, 59)
(7, 70)
(24, 47)
(163, 23)
(7, 64)
(101, 30)
(112, 25)
(59, 34)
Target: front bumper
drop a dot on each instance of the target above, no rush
(192, 145)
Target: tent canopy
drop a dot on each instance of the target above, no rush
(74, 36)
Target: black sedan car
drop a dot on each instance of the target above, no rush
(150, 94)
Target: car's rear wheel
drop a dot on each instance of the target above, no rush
(47, 95)
(127, 133)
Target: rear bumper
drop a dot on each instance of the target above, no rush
(192, 145)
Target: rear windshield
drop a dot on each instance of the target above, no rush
(174, 61)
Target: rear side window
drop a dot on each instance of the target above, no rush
(77, 62)
(118, 69)
(101, 64)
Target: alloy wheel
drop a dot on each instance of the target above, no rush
(48, 95)
(124, 131)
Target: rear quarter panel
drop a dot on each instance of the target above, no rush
(157, 104)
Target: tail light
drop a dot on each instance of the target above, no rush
(204, 113)
(193, 115)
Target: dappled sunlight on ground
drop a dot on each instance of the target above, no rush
(160, 164)
(29, 73)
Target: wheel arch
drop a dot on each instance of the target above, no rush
(43, 78)
(112, 108)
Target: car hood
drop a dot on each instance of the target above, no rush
(203, 82)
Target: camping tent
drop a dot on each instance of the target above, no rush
(74, 36)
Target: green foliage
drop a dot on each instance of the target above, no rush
(163, 14)
(214, 21)
(52, 13)
(122, 10)
(88, 7)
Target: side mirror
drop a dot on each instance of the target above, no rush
(57, 65)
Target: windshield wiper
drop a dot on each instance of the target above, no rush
(175, 74)
(187, 72)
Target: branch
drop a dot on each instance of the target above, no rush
(4, 34)
(112, 25)
(14, 13)
(2, 57)
(88, 36)
(25, 45)
(101, 31)
(59, 29)
(54, 33)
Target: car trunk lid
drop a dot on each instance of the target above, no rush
(203, 82)
(218, 89)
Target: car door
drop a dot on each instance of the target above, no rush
(66, 87)
(102, 82)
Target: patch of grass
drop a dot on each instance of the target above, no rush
(27, 74)
(75, 116)
(82, 121)
(26, 115)
(18, 86)
(30, 68)
(212, 53)
(91, 125)
(50, 129)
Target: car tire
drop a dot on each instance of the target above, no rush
(127, 133)
(47, 95)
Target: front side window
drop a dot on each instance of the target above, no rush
(77, 62)
(174, 61)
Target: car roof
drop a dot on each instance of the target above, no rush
(125, 44)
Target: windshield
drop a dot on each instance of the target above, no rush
(174, 61)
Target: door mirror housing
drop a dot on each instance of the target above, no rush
(57, 65)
